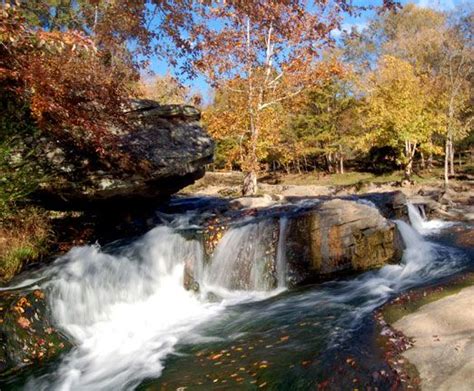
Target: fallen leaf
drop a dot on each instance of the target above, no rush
(23, 322)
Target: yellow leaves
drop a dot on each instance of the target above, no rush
(398, 105)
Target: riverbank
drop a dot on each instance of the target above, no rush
(61, 230)
(443, 350)
(431, 335)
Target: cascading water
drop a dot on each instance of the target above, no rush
(127, 310)
(421, 224)
(239, 261)
(281, 266)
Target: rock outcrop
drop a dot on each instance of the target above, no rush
(339, 236)
(167, 144)
(321, 240)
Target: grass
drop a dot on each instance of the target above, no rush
(24, 238)
(355, 178)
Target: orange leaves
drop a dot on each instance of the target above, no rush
(63, 78)
(23, 322)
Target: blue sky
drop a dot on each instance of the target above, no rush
(199, 84)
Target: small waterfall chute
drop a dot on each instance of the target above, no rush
(244, 259)
(417, 216)
(281, 261)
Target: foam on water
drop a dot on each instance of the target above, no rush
(422, 225)
(126, 311)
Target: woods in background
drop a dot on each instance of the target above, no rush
(288, 95)
(402, 85)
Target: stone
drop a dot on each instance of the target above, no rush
(392, 205)
(322, 240)
(167, 143)
(253, 202)
(340, 236)
(27, 333)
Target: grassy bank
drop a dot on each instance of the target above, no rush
(25, 235)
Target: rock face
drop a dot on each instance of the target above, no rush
(340, 236)
(27, 335)
(167, 143)
(316, 242)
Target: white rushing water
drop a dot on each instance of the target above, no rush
(281, 262)
(421, 224)
(127, 311)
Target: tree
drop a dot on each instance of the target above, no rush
(397, 112)
(61, 77)
(326, 122)
(227, 121)
(439, 47)
(272, 45)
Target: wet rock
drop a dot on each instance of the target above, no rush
(321, 240)
(166, 144)
(27, 334)
(392, 205)
(340, 236)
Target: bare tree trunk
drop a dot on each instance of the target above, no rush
(446, 163)
(250, 184)
(408, 170)
(410, 150)
(341, 160)
(329, 162)
(423, 164)
(451, 156)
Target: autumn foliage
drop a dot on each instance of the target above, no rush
(62, 77)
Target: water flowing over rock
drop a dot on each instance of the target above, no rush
(167, 141)
(126, 309)
(293, 245)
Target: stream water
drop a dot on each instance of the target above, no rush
(135, 326)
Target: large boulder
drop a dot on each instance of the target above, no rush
(166, 143)
(318, 242)
(339, 236)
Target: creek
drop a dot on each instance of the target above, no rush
(134, 326)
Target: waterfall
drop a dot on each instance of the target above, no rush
(124, 311)
(243, 259)
(281, 261)
(423, 226)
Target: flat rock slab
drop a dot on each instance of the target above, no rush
(444, 342)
